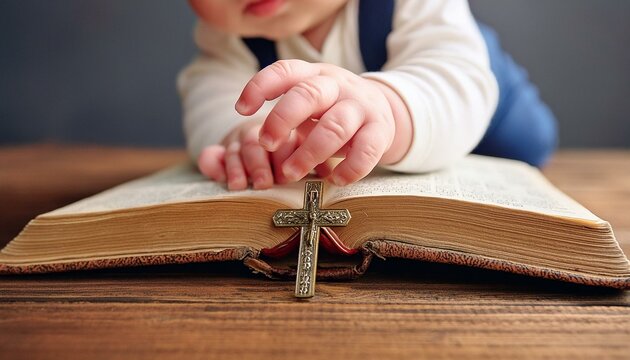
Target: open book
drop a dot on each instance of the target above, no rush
(483, 212)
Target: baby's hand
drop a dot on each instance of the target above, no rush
(355, 119)
(240, 159)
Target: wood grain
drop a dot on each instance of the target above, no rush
(400, 309)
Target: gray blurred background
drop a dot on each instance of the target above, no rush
(88, 71)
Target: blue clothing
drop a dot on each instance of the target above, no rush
(522, 127)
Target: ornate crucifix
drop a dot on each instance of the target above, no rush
(310, 218)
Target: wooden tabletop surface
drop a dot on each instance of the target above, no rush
(400, 309)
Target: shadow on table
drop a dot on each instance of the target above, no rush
(391, 281)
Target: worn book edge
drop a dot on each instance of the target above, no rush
(376, 247)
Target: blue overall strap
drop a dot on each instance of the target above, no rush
(263, 49)
(375, 24)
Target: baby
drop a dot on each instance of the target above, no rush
(425, 104)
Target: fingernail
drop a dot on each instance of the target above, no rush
(266, 141)
(240, 106)
(290, 173)
(235, 183)
(259, 184)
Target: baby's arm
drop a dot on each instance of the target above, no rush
(438, 64)
(437, 78)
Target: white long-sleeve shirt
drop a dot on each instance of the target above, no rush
(437, 63)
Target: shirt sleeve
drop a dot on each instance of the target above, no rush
(210, 86)
(438, 64)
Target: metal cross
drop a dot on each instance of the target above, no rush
(310, 218)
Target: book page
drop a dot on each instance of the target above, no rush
(480, 179)
(177, 184)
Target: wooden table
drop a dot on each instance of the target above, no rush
(400, 309)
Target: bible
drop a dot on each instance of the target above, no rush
(481, 212)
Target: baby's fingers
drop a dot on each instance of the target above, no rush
(367, 148)
(256, 161)
(236, 178)
(279, 156)
(273, 81)
(335, 128)
(211, 162)
(307, 99)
